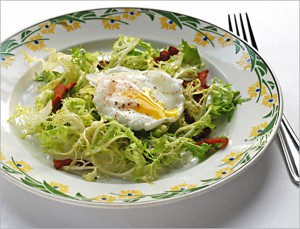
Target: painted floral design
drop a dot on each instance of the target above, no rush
(255, 89)
(105, 198)
(203, 38)
(270, 100)
(2, 156)
(20, 165)
(112, 22)
(70, 25)
(226, 40)
(182, 187)
(130, 194)
(59, 187)
(36, 44)
(232, 158)
(6, 61)
(224, 172)
(131, 14)
(47, 28)
(167, 24)
(256, 130)
(245, 61)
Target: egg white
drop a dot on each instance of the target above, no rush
(112, 85)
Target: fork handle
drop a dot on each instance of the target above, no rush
(290, 146)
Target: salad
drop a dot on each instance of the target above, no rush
(135, 112)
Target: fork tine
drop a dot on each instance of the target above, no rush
(230, 25)
(243, 28)
(253, 42)
(236, 26)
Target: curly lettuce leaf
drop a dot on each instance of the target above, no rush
(223, 100)
(121, 48)
(30, 121)
(59, 141)
(219, 99)
(86, 61)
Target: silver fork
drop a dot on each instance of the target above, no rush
(288, 138)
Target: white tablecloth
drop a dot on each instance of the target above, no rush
(262, 197)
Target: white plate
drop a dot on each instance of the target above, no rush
(251, 131)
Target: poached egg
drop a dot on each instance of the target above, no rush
(138, 99)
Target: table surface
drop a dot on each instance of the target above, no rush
(262, 197)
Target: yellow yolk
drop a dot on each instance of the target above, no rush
(146, 104)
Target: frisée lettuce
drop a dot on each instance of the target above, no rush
(81, 140)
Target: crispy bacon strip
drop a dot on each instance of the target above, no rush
(202, 77)
(211, 141)
(59, 91)
(60, 163)
(166, 54)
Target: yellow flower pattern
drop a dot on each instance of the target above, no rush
(2, 156)
(203, 38)
(36, 44)
(245, 61)
(111, 22)
(6, 61)
(224, 172)
(130, 194)
(20, 165)
(167, 24)
(47, 28)
(105, 198)
(256, 130)
(231, 158)
(269, 100)
(182, 187)
(226, 40)
(59, 187)
(70, 25)
(254, 90)
(131, 14)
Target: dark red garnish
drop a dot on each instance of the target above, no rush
(59, 92)
(60, 163)
(164, 55)
(172, 50)
(202, 77)
(204, 134)
(212, 141)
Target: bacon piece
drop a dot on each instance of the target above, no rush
(211, 141)
(59, 92)
(173, 50)
(202, 77)
(71, 85)
(204, 134)
(164, 55)
(60, 163)
(56, 103)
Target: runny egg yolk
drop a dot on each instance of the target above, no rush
(146, 104)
